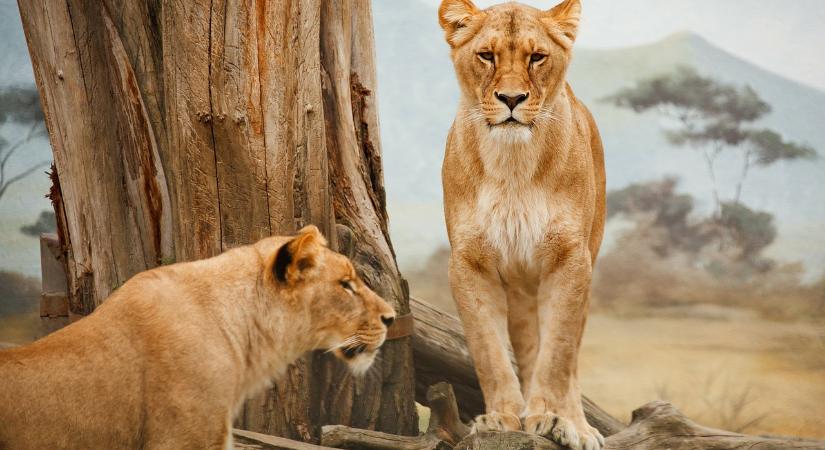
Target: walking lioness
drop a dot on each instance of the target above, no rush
(168, 359)
(524, 200)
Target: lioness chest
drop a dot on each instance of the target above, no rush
(514, 218)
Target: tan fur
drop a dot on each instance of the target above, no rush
(525, 203)
(168, 359)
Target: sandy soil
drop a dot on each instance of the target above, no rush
(739, 373)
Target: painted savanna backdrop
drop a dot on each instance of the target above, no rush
(710, 289)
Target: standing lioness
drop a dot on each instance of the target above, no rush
(168, 359)
(524, 198)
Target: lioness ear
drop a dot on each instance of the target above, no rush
(298, 256)
(565, 16)
(453, 16)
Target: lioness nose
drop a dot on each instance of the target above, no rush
(387, 320)
(511, 100)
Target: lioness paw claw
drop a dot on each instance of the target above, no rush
(496, 422)
(564, 432)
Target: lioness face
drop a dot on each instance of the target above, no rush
(510, 60)
(349, 319)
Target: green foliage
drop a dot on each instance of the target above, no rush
(752, 230)
(712, 116)
(45, 223)
(690, 95)
(665, 209)
(20, 104)
(658, 197)
(770, 147)
(662, 212)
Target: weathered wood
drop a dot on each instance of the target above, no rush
(181, 129)
(515, 440)
(249, 439)
(441, 355)
(341, 436)
(658, 425)
(357, 191)
(444, 431)
(445, 421)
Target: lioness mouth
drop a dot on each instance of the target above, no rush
(352, 352)
(509, 121)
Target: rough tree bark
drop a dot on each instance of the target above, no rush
(181, 129)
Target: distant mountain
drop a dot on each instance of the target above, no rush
(418, 95)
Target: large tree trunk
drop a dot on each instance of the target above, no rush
(181, 129)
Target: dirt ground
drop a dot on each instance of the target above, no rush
(729, 370)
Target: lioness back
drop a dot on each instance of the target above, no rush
(168, 358)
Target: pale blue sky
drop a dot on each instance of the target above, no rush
(785, 36)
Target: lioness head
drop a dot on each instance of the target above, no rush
(345, 315)
(510, 60)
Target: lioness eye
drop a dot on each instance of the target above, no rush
(347, 284)
(536, 57)
(487, 56)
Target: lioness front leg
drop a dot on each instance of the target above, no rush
(482, 306)
(554, 407)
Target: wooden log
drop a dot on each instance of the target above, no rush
(656, 426)
(444, 431)
(510, 440)
(245, 440)
(441, 355)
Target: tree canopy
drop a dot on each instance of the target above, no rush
(712, 116)
(21, 105)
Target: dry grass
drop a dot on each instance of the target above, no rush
(720, 401)
(633, 279)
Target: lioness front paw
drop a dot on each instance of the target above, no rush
(564, 432)
(495, 421)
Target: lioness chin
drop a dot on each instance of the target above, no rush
(171, 355)
(524, 198)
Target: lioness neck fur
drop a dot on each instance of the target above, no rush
(168, 358)
(524, 198)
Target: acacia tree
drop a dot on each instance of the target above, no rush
(749, 231)
(713, 117)
(20, 105)
(181, 129)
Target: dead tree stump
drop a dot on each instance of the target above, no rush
(181, 129)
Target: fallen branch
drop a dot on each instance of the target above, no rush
(441, 355)
(656, 425)
(444, 431)
(250, 440)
